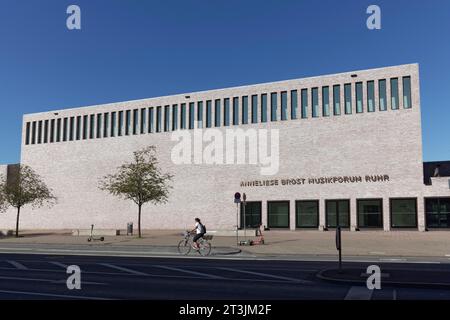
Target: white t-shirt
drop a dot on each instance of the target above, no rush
(198, 227)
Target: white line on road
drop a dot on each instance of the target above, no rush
(266, 275)
(392, 259)
(46, 280)
(138, 273)
(52, 295)
(189, 272)
(17, 265)
(359, 293)
(59, 264)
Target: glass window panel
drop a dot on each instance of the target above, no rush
(174, 117)
(135, 121)
(278, 214)
(315, 102)
(284, 105)
(72, 128)
(92, 126)
(307, 214)
(407, 92)
(167, 118)
(273, 106)
(337, 211)
(33, 132)
(217, 113)
(151, 120)
(294, 104)
(58, 130)
(208, 114)
(304, 94)
(45, 131)
(252, 214)
(127, 122)
(191, 115)
(85, 127)
(235, 111)
(394, 93)
(27, 133)
(158, 119)
(226, 112)
(254, 108)
(337, 100)
(359, 97)
(39, 139)
(52, 130)
(264, 107)
(143, 119)
(370, 213)
(65, 128)
(348, 98)
(403, 213)
(325, 101)
(105, 125)
(370, 96)
(120, 124)
(183, 116)
(78, 128)
(245, 110)
(382, 94)
(200, 114)
(99, 125)
(113, 124)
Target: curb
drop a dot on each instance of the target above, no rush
(388, 283)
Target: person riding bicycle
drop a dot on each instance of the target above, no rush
(200, 231)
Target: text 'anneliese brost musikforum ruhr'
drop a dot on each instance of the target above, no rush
(319, 180)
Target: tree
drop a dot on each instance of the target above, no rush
(25, 187)
(140, 181)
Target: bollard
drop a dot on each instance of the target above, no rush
(339, 247)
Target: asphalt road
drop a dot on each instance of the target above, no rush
(36, 276)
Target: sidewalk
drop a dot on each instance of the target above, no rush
(277, 243)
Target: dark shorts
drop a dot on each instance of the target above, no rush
(198, 236)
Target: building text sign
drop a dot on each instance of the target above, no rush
(316, 180)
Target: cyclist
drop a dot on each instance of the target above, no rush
(200, 231)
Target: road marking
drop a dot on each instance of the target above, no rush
(52, 295)
(59, 264)
(359, 293)
(189, 271)
(47, 280)
(138, 273)
(265, 275)
(17, 265)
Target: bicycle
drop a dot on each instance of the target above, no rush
(185, 245)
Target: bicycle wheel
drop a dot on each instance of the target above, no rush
(205, 248)
(184, 247)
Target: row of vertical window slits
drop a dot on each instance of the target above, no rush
(133, 122)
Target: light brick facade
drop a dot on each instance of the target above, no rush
(358, 144)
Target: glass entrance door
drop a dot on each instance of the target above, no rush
(252, 214)
(438, 212)
(338, 211)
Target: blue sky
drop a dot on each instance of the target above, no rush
(138, 49)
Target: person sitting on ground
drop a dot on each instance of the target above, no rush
(200, 232)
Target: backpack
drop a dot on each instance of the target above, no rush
(204, 228)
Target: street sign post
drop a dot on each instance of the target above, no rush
(244, 203)
(237, 200)
(339, 246)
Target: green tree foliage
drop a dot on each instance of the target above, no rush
(140, 181)
(25, 187)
